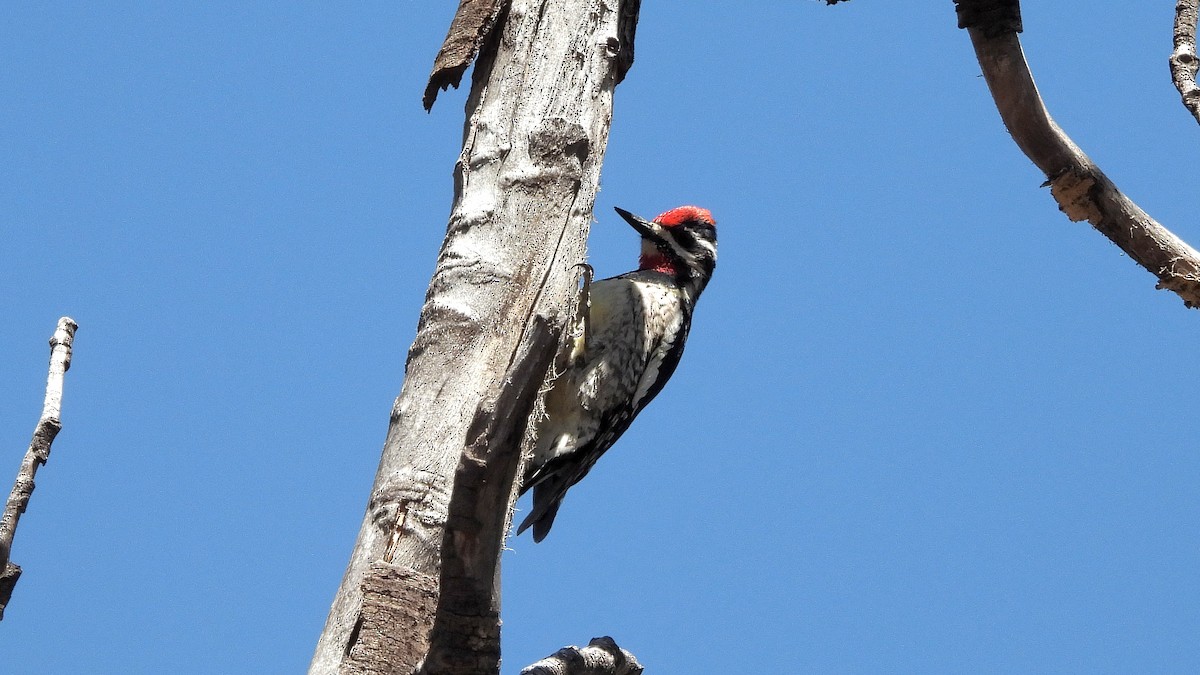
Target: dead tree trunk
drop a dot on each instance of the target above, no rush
(537, 126)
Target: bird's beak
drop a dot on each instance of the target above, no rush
(643, 226)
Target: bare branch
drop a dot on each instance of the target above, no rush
(1183, 58)
(602, 656)
(1081, 189)
(38, 453)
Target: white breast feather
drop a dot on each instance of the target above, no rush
(580, 398)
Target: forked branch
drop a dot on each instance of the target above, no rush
(37, 454)
(1081, 189)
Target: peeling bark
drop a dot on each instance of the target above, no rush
(472, 23)
(1081, 189)
(397, 604)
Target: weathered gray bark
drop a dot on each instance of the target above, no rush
(1081, 189)
(537, 128)
(37, 455)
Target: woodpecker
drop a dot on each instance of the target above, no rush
(626, 341)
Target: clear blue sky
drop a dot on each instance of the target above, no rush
(924, 423)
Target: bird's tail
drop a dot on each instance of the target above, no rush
(547, 497)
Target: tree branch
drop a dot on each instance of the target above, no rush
(1183, 58)
(1081, 189)
(602, 656)
(38, 453)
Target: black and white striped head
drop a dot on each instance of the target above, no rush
(681, 242)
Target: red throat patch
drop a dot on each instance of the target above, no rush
(682, 214)
(658, 263)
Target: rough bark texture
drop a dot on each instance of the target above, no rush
(1183, 57)
(602, 656)
(1081, 189)
(397, 603)
(37, 455)
(466, 632)
(538, 120)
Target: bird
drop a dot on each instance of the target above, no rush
(627, 338)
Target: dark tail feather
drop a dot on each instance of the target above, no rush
(547, 497)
